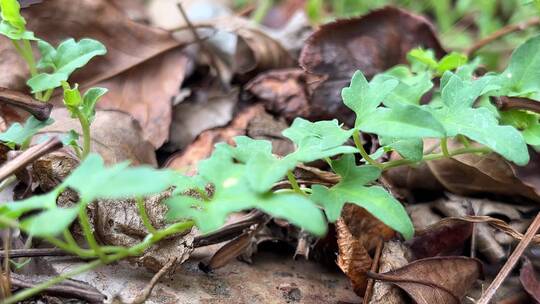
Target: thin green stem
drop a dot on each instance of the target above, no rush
(144, 215)
(27, 293)
(132, 251)
(47, 95)
(434, 156)
(444, 146)
(466, 143)
(294, 183)
(262, 10)
(89, 236)
(363, 152)
(85, 126)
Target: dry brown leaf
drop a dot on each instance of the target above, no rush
(116, 136)
(358, 233)
(444, 280)
(201, 148)
(353, 258)
(394, 256)
(529, 280)
(465, 174)
(283, 92)
(371, 43)
(144, 91)
(440, 238)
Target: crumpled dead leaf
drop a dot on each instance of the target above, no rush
(435, 280)
(358, 233)
(394, 255)
(118, 223)
(283, 92)
(441, 238)
(144, 66)
(529, 280)
(372, 43)
(208, 108)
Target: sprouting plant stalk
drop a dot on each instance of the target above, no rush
(262, 9)
(25, 50)
(144, 215)
(444, 147)
(294, 183)
(363, 152)
(435, 156)
(85, 126)
(89, 236)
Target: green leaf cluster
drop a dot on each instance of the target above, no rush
(18, 135)
(60, 63)
(13, 24)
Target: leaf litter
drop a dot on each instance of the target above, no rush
(258, 89)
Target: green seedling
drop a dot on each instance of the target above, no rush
(53, 70)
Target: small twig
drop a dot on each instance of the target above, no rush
(511, 262)
(230, 231)
(29, 156)
(493, 222)
(35, 252)
(40, 110)
(374, 268)
(145, 293)
(505, 103)
(68, 289)
(201, 42)
(511, 28)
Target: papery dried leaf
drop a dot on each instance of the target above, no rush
(358, 232)
(116, 136)
(353, 258)
(202, 147)
(443, 237)
(145, 91)
(371, 43)
(214, 108)
(365, 227)
(394, 255)
(435, 280)
(473, 174)
(529, 280)
(284, 92)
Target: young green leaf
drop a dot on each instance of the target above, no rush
(451, 62)
(401, 119)
(363, 97)
(420, 57)
(317, 140)
(526, 122)
(16, 135)
(408, 148)
(93, 180)
(90, 98)
(479, 124)
(13, 24)
(522, 76)
(63, 61)
(234, 192)
(411, 86)
(42, 201)
(352, 189)
(50, 222)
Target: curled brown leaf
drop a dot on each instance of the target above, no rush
(435, 280)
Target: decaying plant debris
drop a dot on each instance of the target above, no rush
(194, 87)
